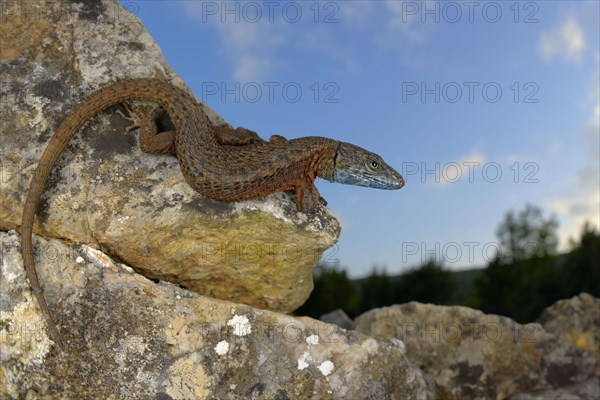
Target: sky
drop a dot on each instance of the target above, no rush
(484, 107)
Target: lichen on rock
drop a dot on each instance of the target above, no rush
(465, 353)
(129, 337)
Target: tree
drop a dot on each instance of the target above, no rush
(524, 278)
(376, 290)
(333, 289)
(582, 265)
(527, 234)
(429, 283)
(495, 288)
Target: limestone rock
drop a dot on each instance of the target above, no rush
(339, 318)
(587, 390)
(466, 354)
(576, 320)
(128, 337)
(107, 193)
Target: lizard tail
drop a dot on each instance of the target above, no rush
(138, 89)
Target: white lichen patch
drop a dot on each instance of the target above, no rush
(241, 325)
(79, 260)
(222, 348)
(326, 367)
(37, 120)
(312, 339)
(371, 345)
(303, 361)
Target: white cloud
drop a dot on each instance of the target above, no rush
(250, 68)
(473, 157)
(456, 171)
(250, 46)
(566, 41)
(253, 46)
(404, 32)
(583, 203)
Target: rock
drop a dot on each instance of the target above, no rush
(466, 354)
(339, 318)
(107, 193)
(128, 337)
(587, 390)
(576, 320)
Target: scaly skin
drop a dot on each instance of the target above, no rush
(219, 163)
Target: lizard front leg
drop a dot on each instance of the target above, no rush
(307, 195)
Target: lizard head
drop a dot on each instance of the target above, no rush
(353, 165)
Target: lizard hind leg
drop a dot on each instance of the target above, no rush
(235, 137)
(151, 141)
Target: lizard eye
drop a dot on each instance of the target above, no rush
(374, 164)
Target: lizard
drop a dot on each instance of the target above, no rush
(220, 163)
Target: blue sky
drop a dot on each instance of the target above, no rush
(484, 107)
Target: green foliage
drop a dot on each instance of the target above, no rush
(333, 289)
(429, 283)
(526, 235)
(376, 290)
(582, 264)
(526, 276)
(519, 290)
(465, 282)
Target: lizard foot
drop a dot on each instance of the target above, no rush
(307, 197)
(236, 137)
(130, 114)
(137, 115)
(151, 140)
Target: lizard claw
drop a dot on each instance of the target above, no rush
(130, 114)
